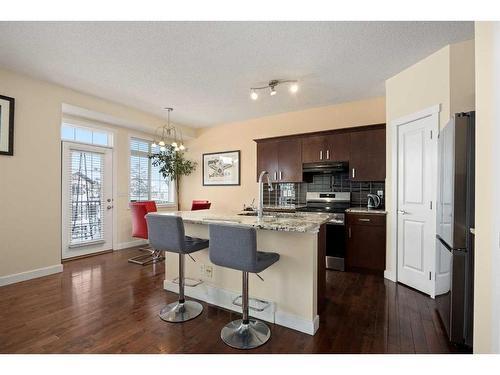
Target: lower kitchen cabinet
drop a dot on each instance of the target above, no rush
(365, 243)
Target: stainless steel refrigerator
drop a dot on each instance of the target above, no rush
(455, 228)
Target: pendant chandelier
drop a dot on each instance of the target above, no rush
(168, 133)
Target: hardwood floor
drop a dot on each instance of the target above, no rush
(103, 304)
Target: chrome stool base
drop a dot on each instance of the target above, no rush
(178, 312)
(245, 336)
(154, 256)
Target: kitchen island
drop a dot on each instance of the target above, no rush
(293, 287)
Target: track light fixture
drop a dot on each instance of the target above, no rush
(294, 87)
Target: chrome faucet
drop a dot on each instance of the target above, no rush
(260, 209)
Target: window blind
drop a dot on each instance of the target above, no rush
(86, 197)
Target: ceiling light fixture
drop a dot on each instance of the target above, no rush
(168, 133)
(272, 87)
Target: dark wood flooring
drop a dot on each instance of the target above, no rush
(103, 304)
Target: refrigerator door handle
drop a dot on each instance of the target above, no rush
(448, 247)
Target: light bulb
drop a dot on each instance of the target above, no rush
(273, 91)
(294, 88)
(182, 147)
(254, 95)
(161, 143)
(174, 144)
(162, 148)
(154, 145)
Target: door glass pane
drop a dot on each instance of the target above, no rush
(99, 138)
(67, 133)
(86, 197)
(83, 135)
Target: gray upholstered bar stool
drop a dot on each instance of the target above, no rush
(236, 247)
(166, 233)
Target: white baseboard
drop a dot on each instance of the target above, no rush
(224, 298)
(126, 245)
(295, 322)
(389, 275)
(28, 275)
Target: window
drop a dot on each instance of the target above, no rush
(146, 181)
(70, 132)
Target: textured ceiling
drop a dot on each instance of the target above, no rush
(205, 69)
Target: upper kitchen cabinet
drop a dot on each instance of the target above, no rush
(313, 149)
(267, 159)
(281, 158)
(367, 156)
(338, 147)
(321, 148)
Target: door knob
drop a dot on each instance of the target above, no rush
(402, 212)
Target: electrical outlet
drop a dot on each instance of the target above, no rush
(380, 193)
(209, 272)
(206, 272)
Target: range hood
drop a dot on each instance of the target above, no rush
(325, 167)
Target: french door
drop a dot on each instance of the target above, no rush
(87, 202)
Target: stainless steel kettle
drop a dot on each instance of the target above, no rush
(374, 201)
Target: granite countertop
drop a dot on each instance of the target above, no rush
(366, 210)
(288, 207)
(283, 222)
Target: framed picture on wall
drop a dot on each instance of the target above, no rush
(221, 168)
(6, 125)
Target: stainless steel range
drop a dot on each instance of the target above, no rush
(335, 204)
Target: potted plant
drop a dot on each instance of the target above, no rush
(173, 165)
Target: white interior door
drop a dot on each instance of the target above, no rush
(87, 202)
(416, 230)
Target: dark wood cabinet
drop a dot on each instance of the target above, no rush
(281, 158)
(365, 243)
(312, 149)
(322, 148)
(338, 147)
(367, 155)
(289, 161)
(362, 147)
(267, 159)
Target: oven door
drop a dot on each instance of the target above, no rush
(335, 246)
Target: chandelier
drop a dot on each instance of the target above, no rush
(271, 86)
(167, 133)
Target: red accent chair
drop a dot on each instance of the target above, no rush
(139, 210)
(200, 205)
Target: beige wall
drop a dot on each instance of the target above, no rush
(447, 78)
(487, 261)
(240, 135)
(30, 192)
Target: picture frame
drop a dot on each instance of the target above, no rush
(221, 168)
(7, 105)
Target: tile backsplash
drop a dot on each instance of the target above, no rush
(341, 183)
(295, 193)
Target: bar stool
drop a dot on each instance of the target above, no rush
(166, 233)
(236, 247)
(139, 210)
